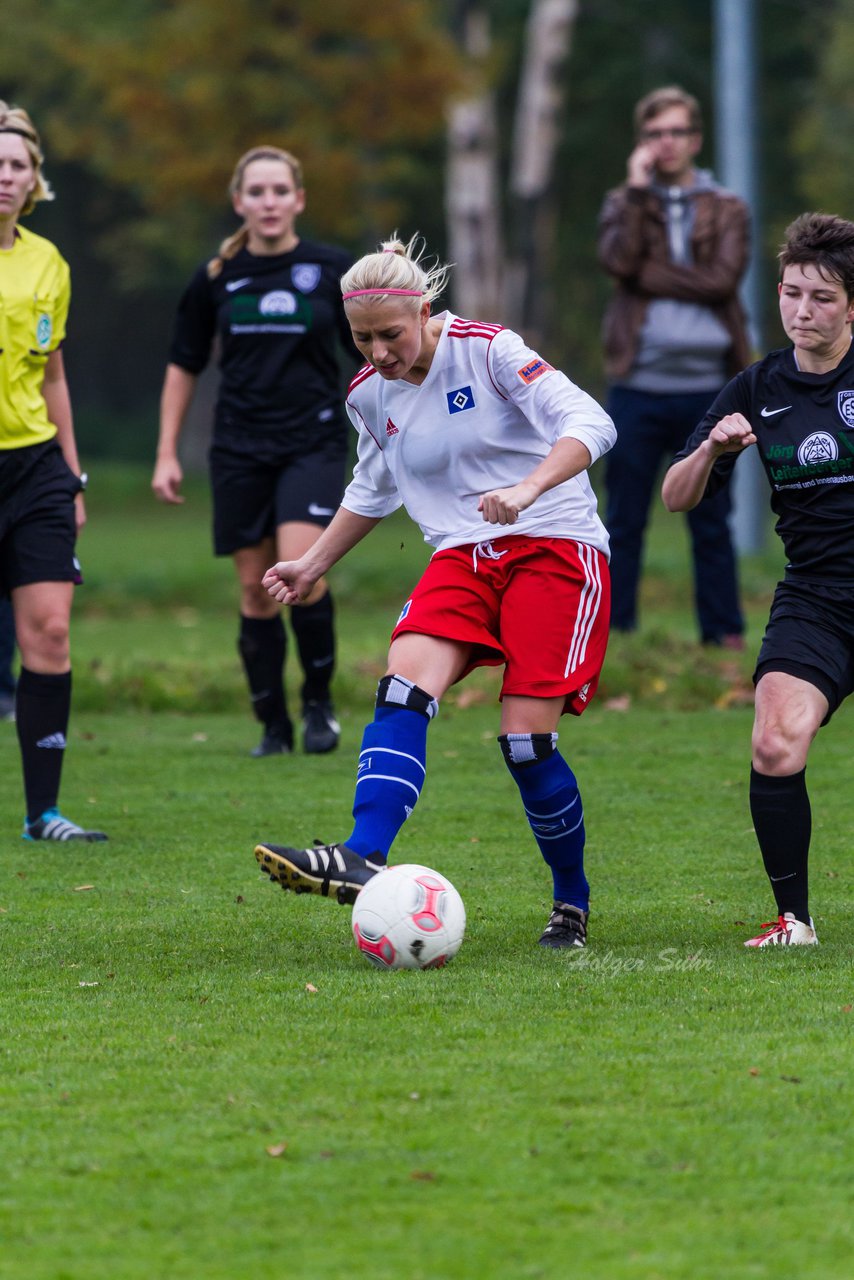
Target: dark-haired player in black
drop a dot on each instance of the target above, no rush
(277, 462)
(797, 407)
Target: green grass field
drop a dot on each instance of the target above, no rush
(201, 1078)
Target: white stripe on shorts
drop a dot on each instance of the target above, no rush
(588, 606)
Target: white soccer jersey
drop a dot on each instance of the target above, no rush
(489, 410)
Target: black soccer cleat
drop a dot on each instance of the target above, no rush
(567, 927)
(53, 826)
(332, 870)
(275, 742)
(320, 729)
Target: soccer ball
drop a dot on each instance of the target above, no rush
(409, 917)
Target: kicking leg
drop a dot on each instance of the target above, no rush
(391, 772)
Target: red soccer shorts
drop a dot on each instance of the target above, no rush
(540, 606)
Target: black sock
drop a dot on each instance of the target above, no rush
(262, 646)
(41, 715)
(314, 628)
(782, 819)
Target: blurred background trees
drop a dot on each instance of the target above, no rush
(145, 106)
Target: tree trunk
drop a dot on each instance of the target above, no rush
(473, 200)
(528, 282)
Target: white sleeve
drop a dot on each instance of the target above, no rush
(554, 406)
(372, 491)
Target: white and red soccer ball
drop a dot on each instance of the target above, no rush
(409, 917)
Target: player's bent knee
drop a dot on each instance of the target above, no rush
(777, 755)
(398, 691)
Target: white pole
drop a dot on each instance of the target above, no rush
(736, 167)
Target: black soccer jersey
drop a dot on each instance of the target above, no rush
(280, 322)
(804, 425)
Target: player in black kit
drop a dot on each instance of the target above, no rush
(277, 461)
(797, 407)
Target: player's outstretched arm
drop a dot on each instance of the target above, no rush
(567, 458)
(290, 581)
(685, 482)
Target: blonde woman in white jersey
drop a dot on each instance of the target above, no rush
(487, 447)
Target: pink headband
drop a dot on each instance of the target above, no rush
(403, 293)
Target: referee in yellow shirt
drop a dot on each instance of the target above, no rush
(41, 504)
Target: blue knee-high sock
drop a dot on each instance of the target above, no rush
(392, 765)
(553, 808)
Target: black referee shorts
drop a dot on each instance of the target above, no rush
(810, 635)
(252, 498)
(38, 526)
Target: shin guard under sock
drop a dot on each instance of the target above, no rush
(782, 820)
(42, 712)
(392, 765)
(553, 808)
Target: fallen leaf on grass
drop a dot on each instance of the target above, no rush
(311, 988)
(791, 1079)
(88, 984)
(754, 1071)
(622, 702)
(740, 694)
(846, 1008)
(472, 698)
(82, 888)
(422, 1175)
(277, 1150)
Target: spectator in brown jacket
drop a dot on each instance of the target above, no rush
(677, 246)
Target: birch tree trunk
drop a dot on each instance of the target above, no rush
(473, 199)
(536, 135)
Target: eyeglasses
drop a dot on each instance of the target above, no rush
(655, 135)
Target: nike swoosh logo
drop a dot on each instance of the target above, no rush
(231, 285)
(772, 413)
(315, 510)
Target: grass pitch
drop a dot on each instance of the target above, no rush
(202, 1078)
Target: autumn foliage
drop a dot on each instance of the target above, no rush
(157, 100)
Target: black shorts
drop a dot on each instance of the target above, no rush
(38, 526)
(810, 635)
(251, 499)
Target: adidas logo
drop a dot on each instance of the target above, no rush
(391, 429)
(56, 741)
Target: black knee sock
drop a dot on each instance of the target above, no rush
(262, 646)
(41, 714)
(782, 819)
(314, 629)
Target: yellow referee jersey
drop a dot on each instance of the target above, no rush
(35, 290)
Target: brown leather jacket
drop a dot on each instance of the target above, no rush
(632, 247)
